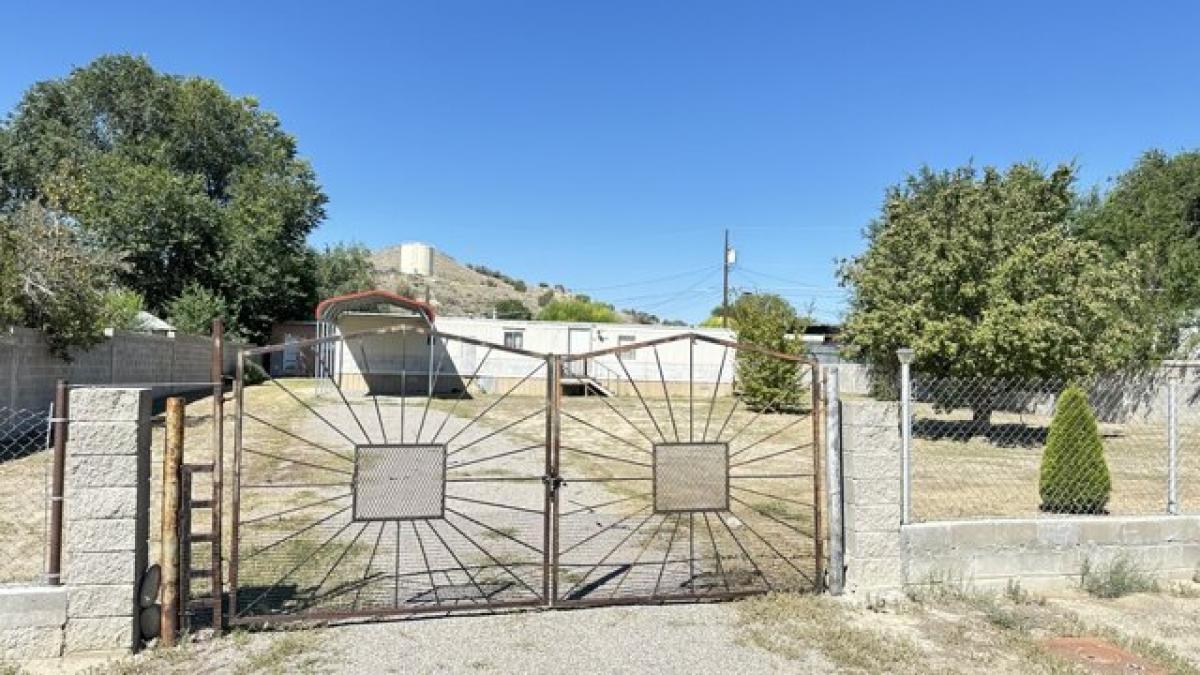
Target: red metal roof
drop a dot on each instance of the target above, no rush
(330, 307)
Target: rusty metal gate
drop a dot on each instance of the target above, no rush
(691, 474)
(403, 470)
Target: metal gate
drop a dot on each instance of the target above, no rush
(692, 475)
(396, 483)
(384, 487)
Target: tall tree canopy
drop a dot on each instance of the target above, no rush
(977, 272)
(1151, 216)
(192, 186)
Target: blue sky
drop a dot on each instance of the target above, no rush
(605, 145)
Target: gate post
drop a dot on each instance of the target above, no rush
(833, 478)
(551, 479)
(171, 500)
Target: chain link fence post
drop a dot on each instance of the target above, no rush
(905, 355)
(1172, 439)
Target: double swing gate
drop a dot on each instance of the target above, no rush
(418, 471)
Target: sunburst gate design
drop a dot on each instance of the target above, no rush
(430, 472)
(699, 492)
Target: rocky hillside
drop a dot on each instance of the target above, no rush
(461, 290)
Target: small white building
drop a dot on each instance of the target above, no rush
(461, 356)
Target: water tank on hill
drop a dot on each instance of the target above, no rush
(416, 258)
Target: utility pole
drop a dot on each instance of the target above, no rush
(727, 257)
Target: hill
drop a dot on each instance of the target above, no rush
(460, 289)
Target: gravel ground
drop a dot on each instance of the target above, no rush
(948, 631)
(693, 639)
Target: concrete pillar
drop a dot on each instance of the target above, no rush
(871, 456)
(106, 517)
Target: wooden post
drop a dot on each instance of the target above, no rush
(171, 504)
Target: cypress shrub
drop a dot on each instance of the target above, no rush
(1074, 476)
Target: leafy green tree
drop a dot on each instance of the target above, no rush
(1151, 217)
(769, 321)
(511, 308)
(574, 309)
(189, 184)
(120, 308)
(1074, 476)
(545, 298)
(344, 268)
(52, 279)
(978, 274)
(194, 309)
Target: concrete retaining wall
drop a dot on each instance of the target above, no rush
(1048, 551)
(882, 555)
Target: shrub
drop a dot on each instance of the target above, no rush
(1074, 476)
(578, 310)
(511, 308)
(1120, 577)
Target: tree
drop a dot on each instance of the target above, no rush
(52, 279)
(511, 308)
(769, 321)
(978, 274)
(574, 309)
(344, 268)
(120, 308)
(194, 309)
(1074, 477)
(1151, 217)
(189, 185)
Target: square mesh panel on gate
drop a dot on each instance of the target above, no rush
(399, 481)
(691, 477)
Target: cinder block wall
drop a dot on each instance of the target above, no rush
(106, 516)
(1047, 552)
(883, 555)
(871, 495)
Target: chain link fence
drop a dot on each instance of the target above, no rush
(1128, 444)
(25, 463)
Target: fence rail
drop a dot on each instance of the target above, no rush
(977, 447)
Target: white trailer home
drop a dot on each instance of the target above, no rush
(457, 356)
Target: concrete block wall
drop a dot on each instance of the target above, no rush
(871, 495)
(883, 555)
(28, 371)
(32, 619)
(1047, 552)
(106, 517)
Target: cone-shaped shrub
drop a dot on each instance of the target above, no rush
(1074, 476)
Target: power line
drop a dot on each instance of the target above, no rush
(647, 282)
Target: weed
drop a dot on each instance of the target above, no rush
(289, 653)
(1120, 577)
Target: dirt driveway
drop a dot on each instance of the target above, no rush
(951, 631)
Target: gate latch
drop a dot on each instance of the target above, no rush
(553, 483)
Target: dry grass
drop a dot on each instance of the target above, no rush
(958, 473)
(947, 629)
